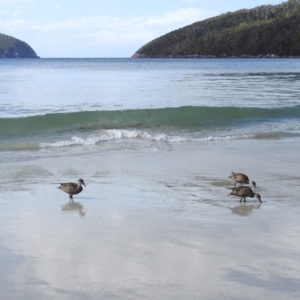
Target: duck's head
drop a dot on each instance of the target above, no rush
(258, 197)
(253, 183)
(80, 181)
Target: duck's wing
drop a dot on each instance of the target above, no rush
(70, 184)
(245, 191)
(242, 176)
(241, 191)
(235, 191)
(237, 175)
(68, 187)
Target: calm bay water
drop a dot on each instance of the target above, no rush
(54, 103)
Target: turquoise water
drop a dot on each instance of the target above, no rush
(54, 103)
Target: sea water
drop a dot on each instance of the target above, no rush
(139, 103)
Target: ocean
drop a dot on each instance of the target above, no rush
(137, 103)
(155, 141)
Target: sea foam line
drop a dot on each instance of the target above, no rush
(115, 135)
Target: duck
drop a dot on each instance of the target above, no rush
(243, 192)
(72, 188)
(241, 178)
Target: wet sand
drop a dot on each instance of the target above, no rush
(153, 225)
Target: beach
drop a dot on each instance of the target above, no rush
(155, 141)
(155, 224)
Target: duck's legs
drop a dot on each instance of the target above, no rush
(241, 199)
(70, 198)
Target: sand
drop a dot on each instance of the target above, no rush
(153, 225)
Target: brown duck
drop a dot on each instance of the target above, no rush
(244, 192)
(241, 178)
(72, 188)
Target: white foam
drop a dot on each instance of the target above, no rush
(174, 139)
(117, 135)
(75, 141)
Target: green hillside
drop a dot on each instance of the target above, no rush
(14, 48)
(268, 30)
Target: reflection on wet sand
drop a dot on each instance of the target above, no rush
(244, 209)
(74, 206)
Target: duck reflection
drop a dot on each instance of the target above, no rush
(244, 209)
(74, 206)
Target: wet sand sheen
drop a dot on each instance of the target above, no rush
(153, 225)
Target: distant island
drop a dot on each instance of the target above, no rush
(11, 47)
(264, 31)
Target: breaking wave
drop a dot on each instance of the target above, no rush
(182, 117)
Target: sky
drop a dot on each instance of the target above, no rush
(104, 28)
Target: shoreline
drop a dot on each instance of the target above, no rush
(137, 55)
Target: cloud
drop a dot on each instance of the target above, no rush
(99, 32)
(189, 1)
(56, 7)
(134, 27)
(6, 2)
(13, 24)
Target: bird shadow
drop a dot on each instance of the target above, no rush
(73, 207)
(244, 209)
